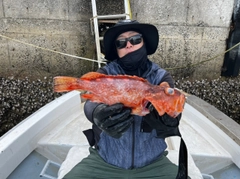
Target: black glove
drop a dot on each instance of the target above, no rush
(114, 119)
(165, 125)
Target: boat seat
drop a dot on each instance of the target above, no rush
(77, 153)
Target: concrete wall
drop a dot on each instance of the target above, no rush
(59, 25)
(190, 31)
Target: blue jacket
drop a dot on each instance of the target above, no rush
(135, 148)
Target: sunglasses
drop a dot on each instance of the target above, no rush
(134, 40)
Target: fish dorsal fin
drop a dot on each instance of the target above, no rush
(95, 75)
(134, 78)
(92, 75)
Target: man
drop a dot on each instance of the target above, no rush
(125, 145)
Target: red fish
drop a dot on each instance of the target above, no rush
(132, 91)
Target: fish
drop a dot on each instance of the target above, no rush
(132, 91)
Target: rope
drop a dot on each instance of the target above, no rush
(69, 55)
(88, 59)
(194, 64)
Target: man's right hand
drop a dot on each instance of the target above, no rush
(113, 120)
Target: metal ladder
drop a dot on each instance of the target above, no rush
(107, 19)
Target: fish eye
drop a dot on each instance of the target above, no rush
(170, 91)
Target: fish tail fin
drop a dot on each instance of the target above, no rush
(64, 83)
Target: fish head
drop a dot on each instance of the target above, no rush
(167, 100)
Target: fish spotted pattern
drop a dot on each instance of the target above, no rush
(132, 91)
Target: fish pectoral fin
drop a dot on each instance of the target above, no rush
(92, 97)
(87, 96)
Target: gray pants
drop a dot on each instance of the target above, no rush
(95, 167)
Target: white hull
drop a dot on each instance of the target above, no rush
(57, 127)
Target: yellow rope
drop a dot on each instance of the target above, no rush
(74, 56)
(194, 64)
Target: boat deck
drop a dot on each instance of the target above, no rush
(213, 152)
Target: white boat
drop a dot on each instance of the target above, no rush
(50, 142)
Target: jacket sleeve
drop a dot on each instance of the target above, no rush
(88, 109)
(171, 124)
(165, 125)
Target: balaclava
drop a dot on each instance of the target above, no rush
(135, 63)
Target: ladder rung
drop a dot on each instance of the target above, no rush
(112, 16)
(108, 21)
(97, 19)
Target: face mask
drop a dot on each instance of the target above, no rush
(133, 60)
